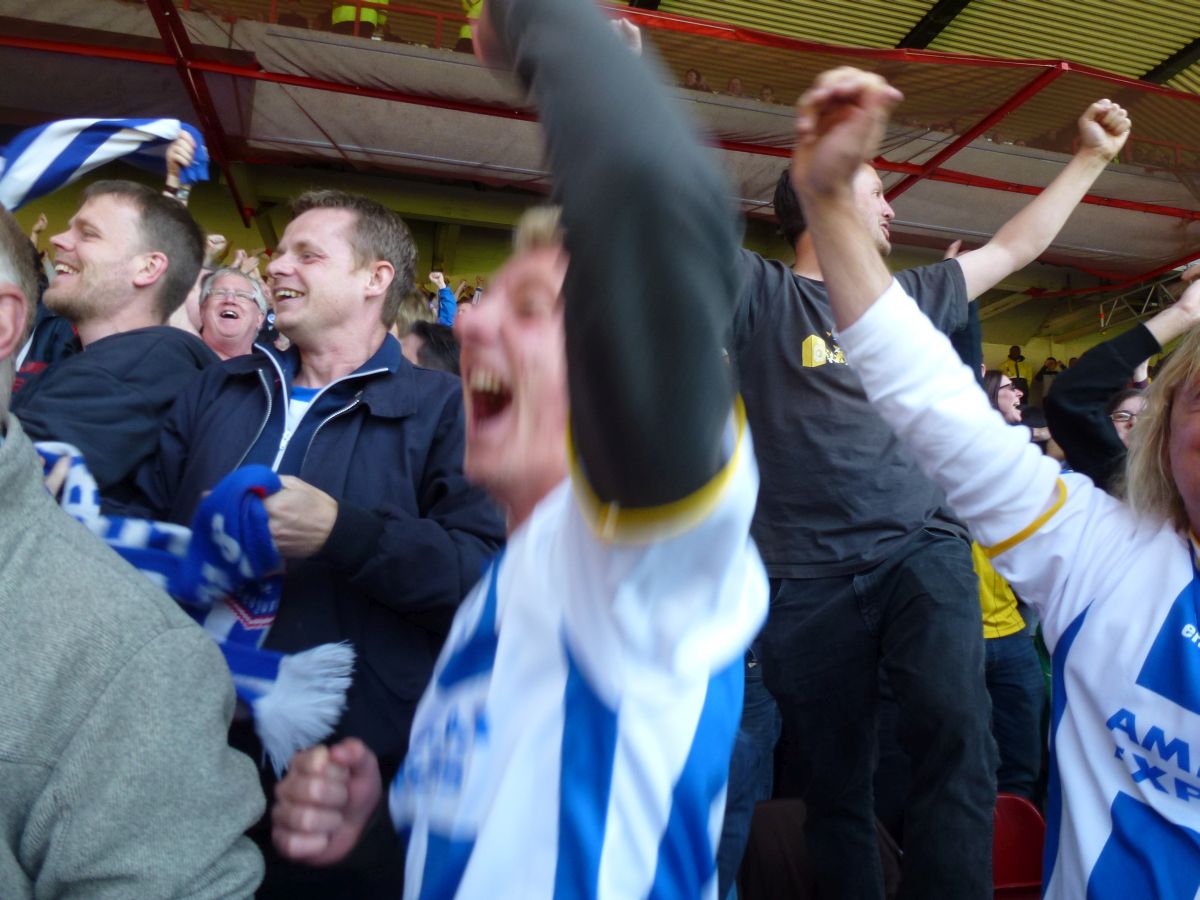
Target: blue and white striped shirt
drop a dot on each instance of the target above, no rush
(575, 740)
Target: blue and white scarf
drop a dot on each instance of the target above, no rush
(40, 160)
(227, 574)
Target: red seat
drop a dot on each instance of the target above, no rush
(1017, 842)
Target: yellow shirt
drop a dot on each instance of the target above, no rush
(996, 599)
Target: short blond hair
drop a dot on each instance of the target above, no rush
(1148, 483)
(538, 227)
(412, 309)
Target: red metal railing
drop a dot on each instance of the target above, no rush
(1042, 75)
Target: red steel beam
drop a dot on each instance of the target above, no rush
(1117, 286)
(175, 39)
(943, 175)
(951, 177)
(94, 50)
(218, 68)
(1017, 100)
(737, 34)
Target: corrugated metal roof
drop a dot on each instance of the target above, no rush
(851, 23)
(1128, 37)
(1187, 80)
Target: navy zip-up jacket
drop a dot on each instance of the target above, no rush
(110, 400)
(411, 536)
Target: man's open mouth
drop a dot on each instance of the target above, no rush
(490, 394)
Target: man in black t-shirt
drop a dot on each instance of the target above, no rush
(867, 565)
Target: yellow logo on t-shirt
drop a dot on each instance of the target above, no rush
(818, 352)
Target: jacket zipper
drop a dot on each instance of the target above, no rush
(333, 415)
(261, 428)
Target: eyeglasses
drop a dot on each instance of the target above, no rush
(1009, 387)
(1123, 417)
(230, 294)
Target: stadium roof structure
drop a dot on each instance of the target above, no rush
(978, 133)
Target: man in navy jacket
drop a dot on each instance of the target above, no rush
(381, 532)
(127, 260)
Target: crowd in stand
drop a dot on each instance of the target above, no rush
(586, 643)
(694, 81)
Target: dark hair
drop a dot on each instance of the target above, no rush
(787, 209)
(167, 227)
(379, 234)
(439, 349)
(991, 386)
(1115, 401)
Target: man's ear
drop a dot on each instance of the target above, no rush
(382, 274)
(149, 268)
(14, 312)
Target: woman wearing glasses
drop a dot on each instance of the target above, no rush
(1003, 395)
(1123, 411)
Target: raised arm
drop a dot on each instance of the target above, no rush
(993, 477)
(652, 242)
(1103, 130)
(1076, 403)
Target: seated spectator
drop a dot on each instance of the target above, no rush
(118, 780)
(1080, 406)
(431, 346)
(124, 264)
(767, 94)
(232, 311)
(693, 80)
(734, 88)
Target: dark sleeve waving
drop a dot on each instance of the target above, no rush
(1076, 401)
(652, 242)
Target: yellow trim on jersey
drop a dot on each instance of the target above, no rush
(1032, 527)
(612, 522)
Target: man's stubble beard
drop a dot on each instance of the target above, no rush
(72, 307)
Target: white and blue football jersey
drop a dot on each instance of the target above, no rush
(575, 739)
(1123, 800)
(1119, 600)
